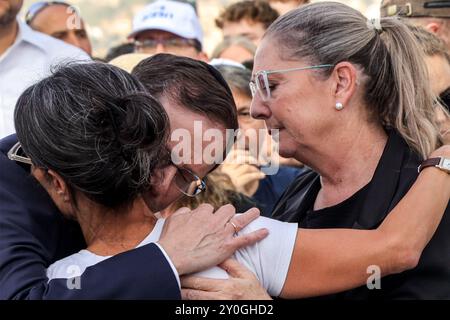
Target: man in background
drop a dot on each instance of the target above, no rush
(284, 6)
(61, 21)
(247, 18)
(433, 15)
(168, 27)
(437, 59)
(25, 57)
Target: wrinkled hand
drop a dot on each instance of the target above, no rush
(243, 170)
(242, 285)
(199, 239)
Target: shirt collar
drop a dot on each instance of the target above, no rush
(397, 167)
(27, 34)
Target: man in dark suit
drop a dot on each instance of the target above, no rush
(34, 234)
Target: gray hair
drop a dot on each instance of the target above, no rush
(228, 42)
(397, 90)
(95, 125)
(237, 78)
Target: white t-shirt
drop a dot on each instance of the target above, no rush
(268, 259)
(27, 61)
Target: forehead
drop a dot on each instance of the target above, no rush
(268, 58)
(181, 117)
(189, 129)
(54, 15)
(242, 26)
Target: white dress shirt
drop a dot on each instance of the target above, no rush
(28, 60)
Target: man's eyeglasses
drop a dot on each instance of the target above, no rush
(261, 82)
(37, 7)
(169, 44)
(188, 182)
(16, 154)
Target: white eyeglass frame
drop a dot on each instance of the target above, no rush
(265, 96)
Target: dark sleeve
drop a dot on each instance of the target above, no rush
(143, 273)
(33, 234)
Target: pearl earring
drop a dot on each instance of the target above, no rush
(339, 106)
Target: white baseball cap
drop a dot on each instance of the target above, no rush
(172, 16)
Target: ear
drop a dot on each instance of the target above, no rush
(433, 27)
(345, 77)
(202, 56)
(58, 185)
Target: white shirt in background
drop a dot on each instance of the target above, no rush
(28, 60)
(268, 259)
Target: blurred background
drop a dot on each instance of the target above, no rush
(109, 21)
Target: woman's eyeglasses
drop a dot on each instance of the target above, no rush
(37, 7)
(16, 154)
(261, 82)
(185, 180)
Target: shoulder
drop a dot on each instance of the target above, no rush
(274, 226)
(73, 265)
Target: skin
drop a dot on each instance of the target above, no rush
(254, 31)
(165, 191)
(236, 53)
(8, 25)
(302, 108)
(187, 51)
(284, 7)
(436, 26)
(60, 22)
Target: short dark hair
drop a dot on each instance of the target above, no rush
(256, 11)
(192, 83)
(97, 127)
(119, 50)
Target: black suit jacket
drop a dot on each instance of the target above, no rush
(33, 234)
(394, 176)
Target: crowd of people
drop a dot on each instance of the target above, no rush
(122, 170)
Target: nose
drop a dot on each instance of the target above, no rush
(160, 48)
(73, 39)
(258, 109)
(440, 116)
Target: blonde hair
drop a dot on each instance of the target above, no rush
(398, 92)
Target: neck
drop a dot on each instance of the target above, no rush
(110, 233)
(347, 165)
(8, 34)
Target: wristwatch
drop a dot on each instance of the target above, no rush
(440, 163)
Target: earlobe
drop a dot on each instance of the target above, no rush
(58, 184)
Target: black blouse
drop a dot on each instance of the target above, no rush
(366, 209)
